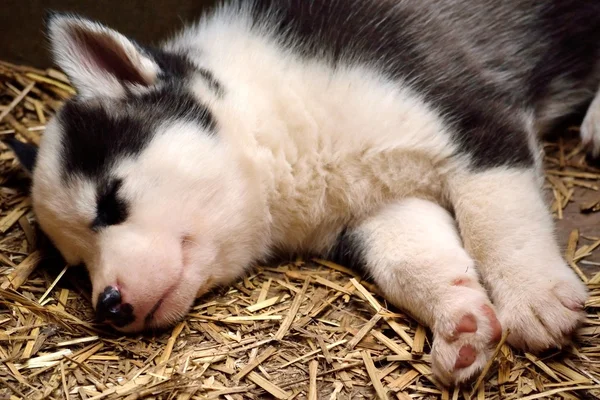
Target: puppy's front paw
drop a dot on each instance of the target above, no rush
(542, 313)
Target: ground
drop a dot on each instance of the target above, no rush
(299, 329)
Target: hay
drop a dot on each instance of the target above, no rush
(303, 329)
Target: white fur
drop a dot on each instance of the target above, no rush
(63, 214)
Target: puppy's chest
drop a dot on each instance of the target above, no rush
(317, 199)
(337, 155)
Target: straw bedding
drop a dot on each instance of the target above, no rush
(301, 329)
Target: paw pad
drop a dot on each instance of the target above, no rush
(466, 357)
(467, 323)
(461, 282)
(494, 323)
(462, 351)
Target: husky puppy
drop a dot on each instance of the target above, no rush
(399, 135)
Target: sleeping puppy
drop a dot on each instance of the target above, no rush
(400, 135)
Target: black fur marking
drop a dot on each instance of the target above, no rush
(403, 43)
(172, 65)
(177, 66)
(110, 209)
(348, 251)
(26, 153)
(212, 82)
(97, 134)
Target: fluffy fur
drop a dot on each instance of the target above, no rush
(341, 128)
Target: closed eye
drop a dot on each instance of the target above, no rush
(110, 209)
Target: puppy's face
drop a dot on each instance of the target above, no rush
(132, 180)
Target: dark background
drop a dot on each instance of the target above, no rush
(22, 38)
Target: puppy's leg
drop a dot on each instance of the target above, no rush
(507, 229)
(590, 128)
(413, 252)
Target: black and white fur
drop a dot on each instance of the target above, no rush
(400, 134)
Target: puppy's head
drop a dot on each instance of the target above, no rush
(132, 179)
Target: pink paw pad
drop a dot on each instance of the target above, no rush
(577, 307)
(467, 323)
(573, 305)
(494, 323)
(461, 282)
(464, 281)
(466, 356)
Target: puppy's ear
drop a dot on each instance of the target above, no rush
(99, 61)
(26, 153)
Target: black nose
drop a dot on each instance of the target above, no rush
(110, 308)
